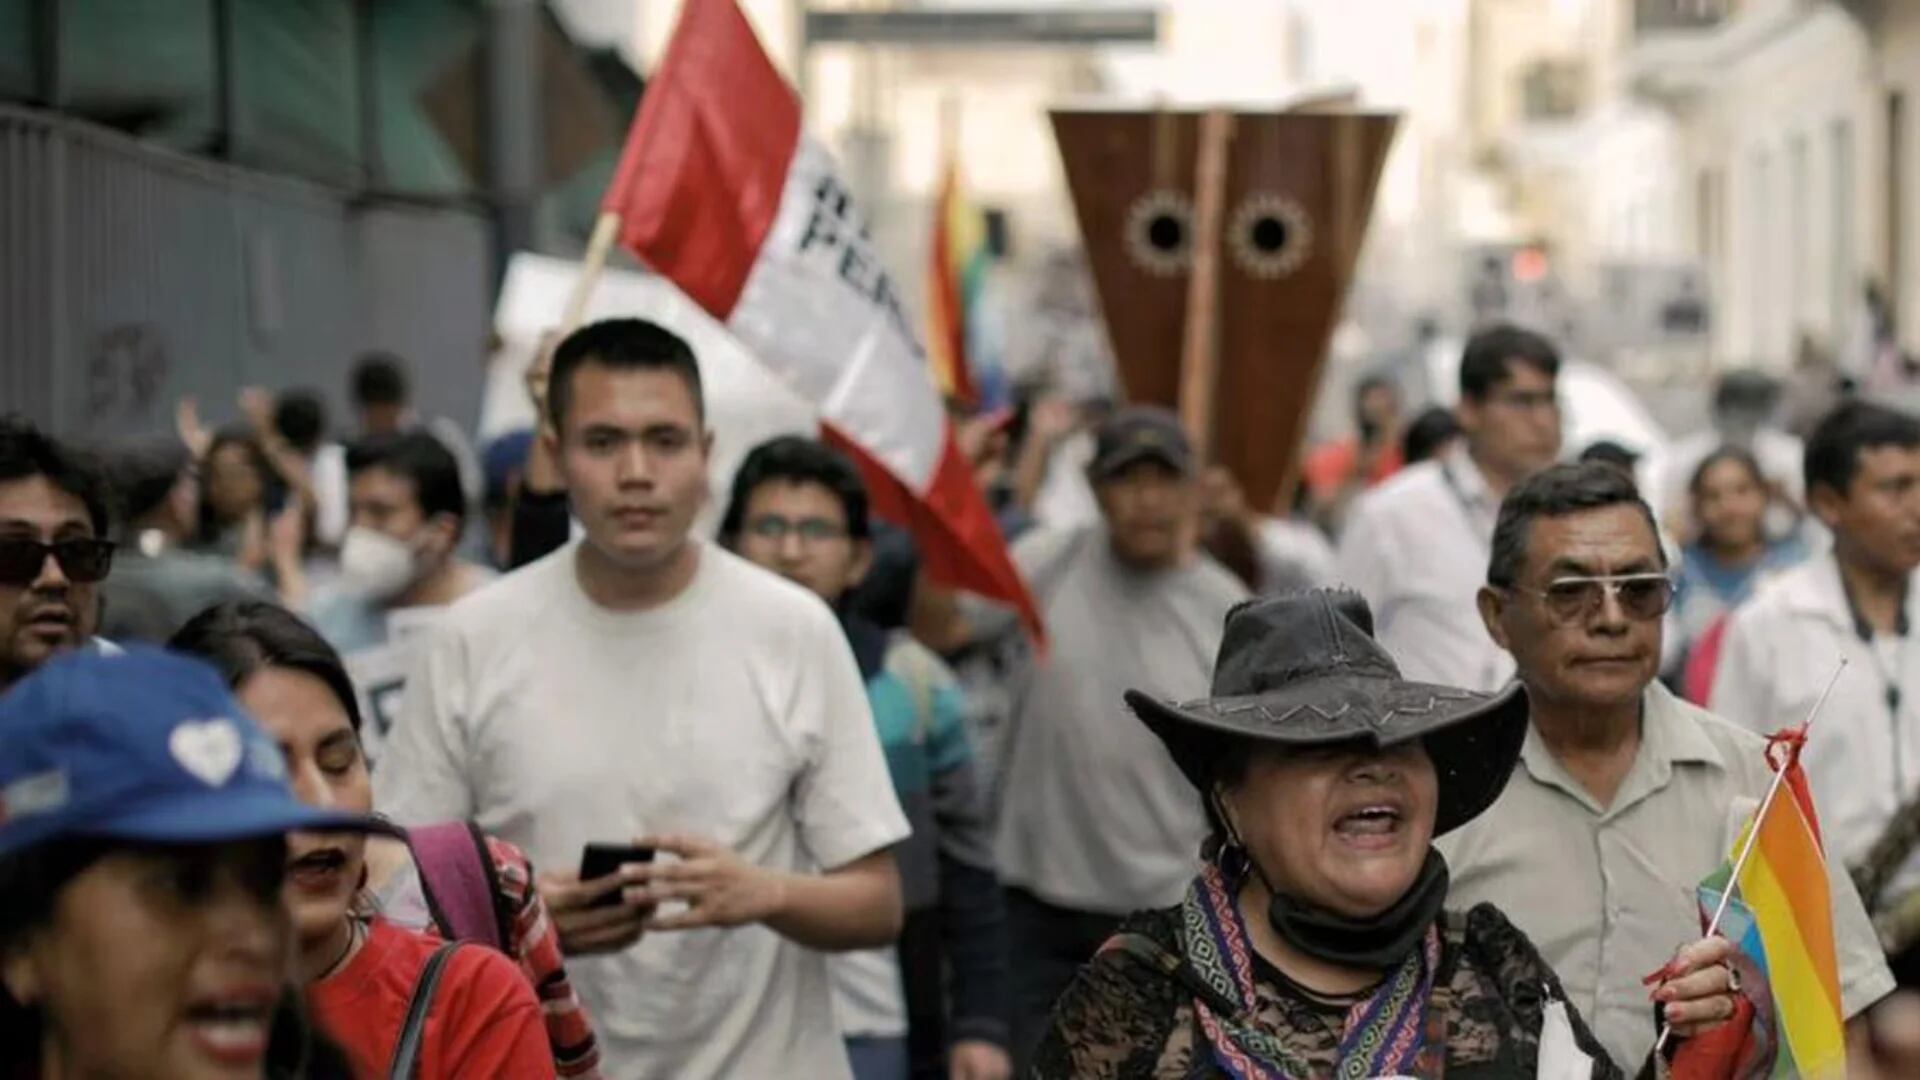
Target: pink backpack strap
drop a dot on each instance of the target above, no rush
(457, 876)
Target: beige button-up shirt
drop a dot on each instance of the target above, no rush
(1607, 894)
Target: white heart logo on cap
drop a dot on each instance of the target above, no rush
(209, 749)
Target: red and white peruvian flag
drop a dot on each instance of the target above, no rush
(720, 192)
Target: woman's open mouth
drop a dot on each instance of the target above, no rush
(1376, 825)
(233, 1029)
(320, 870)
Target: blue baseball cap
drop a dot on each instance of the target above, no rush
(144, 746)
(501, 458)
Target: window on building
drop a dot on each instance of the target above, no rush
(1761, 254)
(1799, 236)
(1552, 90)
(19, 71)
(1896, 193)
(294, 81)
(1843, 283)
(151, 70)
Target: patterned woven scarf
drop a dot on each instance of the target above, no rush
(1388, 1034)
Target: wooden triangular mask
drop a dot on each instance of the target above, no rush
(1299, 190)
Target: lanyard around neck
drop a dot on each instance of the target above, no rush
(1469, 506)
(1864, 630)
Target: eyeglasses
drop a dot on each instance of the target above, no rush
(83, 560)
(1569, 599)
(1527, 400)
(811, 530)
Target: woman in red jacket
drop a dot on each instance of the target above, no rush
(361, 971)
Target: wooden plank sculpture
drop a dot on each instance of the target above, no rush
(1292, 209)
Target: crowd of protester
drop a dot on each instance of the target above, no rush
(336, 756)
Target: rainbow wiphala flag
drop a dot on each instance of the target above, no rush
(956, 271)
(1782, 919)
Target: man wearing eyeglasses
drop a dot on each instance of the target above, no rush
(53, 517)
(934, 1003)
(1414, 545)
(1625, 796)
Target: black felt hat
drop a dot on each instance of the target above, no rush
(1303, 669)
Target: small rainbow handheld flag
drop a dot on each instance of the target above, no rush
(956, 271)
(1781, 916)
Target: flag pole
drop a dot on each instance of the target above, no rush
(1200, 352)
(1753, 830)
(606, 229)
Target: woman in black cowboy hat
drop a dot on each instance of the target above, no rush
(1314, 941)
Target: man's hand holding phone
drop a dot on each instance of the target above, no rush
(595, 909)
(718, 887)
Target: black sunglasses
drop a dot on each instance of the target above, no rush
(84, 561)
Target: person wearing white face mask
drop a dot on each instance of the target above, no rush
(398, 565)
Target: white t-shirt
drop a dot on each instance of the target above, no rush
(735, 711)
(332, 513)
(869, 996)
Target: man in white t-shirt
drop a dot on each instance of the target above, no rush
(641, 686)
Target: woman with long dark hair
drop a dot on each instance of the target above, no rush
(1727, 561)
(295, 683)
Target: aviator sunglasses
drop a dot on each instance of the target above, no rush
(1641, 596)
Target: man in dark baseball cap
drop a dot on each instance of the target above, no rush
(1095, 817)
(1142, 474)
(1140, 433)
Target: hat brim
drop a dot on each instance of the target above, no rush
(1115, 463)
(1474, 739)
(220, 816)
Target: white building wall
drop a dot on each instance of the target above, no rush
(1772, 124)
(1899, 70)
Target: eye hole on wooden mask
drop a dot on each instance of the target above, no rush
(1160, 233)
(1270, 235)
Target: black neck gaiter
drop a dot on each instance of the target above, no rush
(1378, 942)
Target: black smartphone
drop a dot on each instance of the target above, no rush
(599, 860)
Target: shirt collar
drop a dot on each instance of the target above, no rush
(1466, 477)
(1820, 593)
(1669, 736)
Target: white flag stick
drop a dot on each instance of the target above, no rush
(606, 229)
(1753, 831)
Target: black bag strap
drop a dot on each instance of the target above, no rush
(406, 1052)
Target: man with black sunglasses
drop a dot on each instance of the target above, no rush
(1625, 797)
(53, 517)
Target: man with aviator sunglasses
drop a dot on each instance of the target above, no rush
(53, 515)
(1625, 796)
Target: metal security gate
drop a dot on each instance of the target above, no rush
(130, 275)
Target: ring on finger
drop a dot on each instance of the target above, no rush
(1733, 978)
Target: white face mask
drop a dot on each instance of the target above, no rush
(375, 565)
